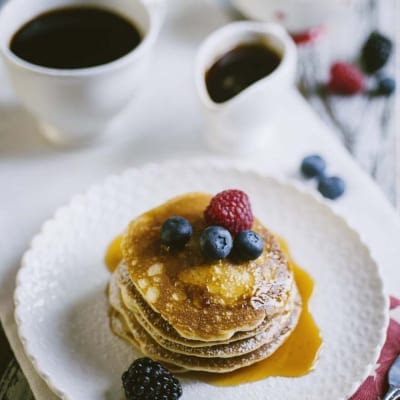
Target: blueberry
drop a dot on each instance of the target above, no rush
(313, 166)
(386, 86)
(216, 242)
(331, 187)
(176, 232)
(249, 245)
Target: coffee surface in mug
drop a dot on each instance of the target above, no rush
(75, 37)
(239, 68)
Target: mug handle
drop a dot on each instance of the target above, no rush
(158, 7)
(154, 4)
(151, 2)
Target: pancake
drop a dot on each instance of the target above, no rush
(133, 301)
(146, 316)
(202, 300)
(179, 308)
(120, 329)
(217, 349)
(152, 349)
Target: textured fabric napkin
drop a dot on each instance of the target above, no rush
(376, 385)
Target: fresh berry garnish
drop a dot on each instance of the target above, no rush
(331, 187)
(230, 209)
(386, 86)
(375, 52)
(248, 245)
(307, 36)
(146, 379)
(176, 232)
(345, 79)
(216, 242)
(313, 166)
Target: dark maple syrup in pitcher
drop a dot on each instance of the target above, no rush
(75, 37)
(239, 68)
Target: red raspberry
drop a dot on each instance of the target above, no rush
(346, 79)
(307, 36)
(230, 209)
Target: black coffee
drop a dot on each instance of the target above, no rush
(239, 68)
(75, 37)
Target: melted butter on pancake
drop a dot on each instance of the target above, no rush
(225, 285)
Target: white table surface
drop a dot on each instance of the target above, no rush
(164, 123)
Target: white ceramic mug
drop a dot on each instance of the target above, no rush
(245, 122)
(77, 105)
(297, 16)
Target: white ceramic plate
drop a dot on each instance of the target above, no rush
(61, 307)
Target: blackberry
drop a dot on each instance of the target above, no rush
(146, 379)
(375, 52)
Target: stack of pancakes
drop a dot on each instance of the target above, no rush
(195, 314)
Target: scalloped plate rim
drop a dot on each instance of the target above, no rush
(215, 164)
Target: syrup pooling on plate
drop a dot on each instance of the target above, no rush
(113, 254)
(297, 356)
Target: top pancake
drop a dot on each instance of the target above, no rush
(202, 299)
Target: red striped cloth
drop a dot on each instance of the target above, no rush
(375, 386)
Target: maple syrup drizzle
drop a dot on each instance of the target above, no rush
(296, 357)
(113, 254)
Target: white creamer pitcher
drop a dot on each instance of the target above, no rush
(245, 122)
